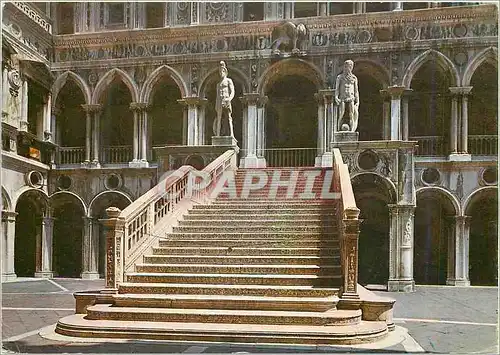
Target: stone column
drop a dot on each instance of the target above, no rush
(9, 235)
(90, 266)
(458, 252)
(397, 6)
(89, 113)
(405, 124)
(193, 131)
(359, 7)
(323, 9)
(251, 160)
(134, 107)
(139, 151)
(465, 120)
(395, 92)
(289, 10)
(47, 119)
(321, 140)
(46, 245)
(144, 136)
(261, 127)
(23, 124)
(454, 120)
(96, 110)
(5, 91)
(401, 248)
(326, 126)
(386, 115)
(115, 248)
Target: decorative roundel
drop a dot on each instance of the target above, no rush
(490, 176)
(64, 182)
(461, 58)
(411, 33)
(34, 179)
(14, 79)
(113, 181)
(368, 160)
(460, 30)
(430, 176)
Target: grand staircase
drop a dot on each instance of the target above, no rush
(259, 268)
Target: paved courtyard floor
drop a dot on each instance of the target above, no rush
(433, 319)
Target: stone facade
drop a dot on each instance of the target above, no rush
(110, 78)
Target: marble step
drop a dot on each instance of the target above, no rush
(227, 290)
(331, 236)
(248, 222)
(241, 260)
(235, 251)
(231, 243)
(237, 212)
(239, 269)
(235, 279)
(286, 207)
(252, 228)
(331, 317)
(318, 216)
(310, 304)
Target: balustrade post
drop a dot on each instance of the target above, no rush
(115, 233)
(350, 236)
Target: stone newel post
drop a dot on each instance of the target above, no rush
(115, 232)
(350, 236)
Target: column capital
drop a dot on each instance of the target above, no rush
(138, 106)
(262, 101)
(325, 96)
(193, 101)
(91, 107)
(462, 219)
(9, 216)
(395, 91)
(250, 98)
(395, 208)
(460, 90)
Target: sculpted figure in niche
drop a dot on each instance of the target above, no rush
(347, 98)
(225, 94)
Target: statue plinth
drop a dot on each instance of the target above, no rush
(346, 136)
(224, 141)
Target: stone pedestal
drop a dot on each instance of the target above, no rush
(346, 136)
(224, 141)
(324, 161)
(138, 164)
(459, 157)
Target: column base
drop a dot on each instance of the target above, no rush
(346, 136)
(8, 277)
(460, 282)
(44, 274)
(401, 286)
(252, 162)
(224, 141)
(459, 157)
(324, 161)
(87, 275)
(138, 164)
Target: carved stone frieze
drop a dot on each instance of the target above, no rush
(217, 12)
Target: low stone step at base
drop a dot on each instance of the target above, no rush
(308, 304)
(270, 243)
(241, 290)
(77, 325)
(249, 211)
(330, 317)
(241, 260)
(252, 228)
(332, 236)
(236, 279)
(243, 218)
(246, 251)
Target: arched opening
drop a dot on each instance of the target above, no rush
(253, 11)
(98, 211)
(65, 18)
(305, 9)
(70, 124)
(166, 114)
(291, 113)
(483, 111)
(483, 239)
(378, 6)
(237, 107)
(433, 225)
(117, 123)
(430, 109)
(337, 8)
(370, 126)
(155, 14)
(68, 216)
(372, 198)
(30, 208)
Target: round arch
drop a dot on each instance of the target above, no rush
(477, 194)
(290, 66)
(108, 78)
(156, 76)
(71, 195)
(6, 201)
(389, 185)
(233, 73)
(488, 55)
(61, 81)
(105, 193)
(436, 190)
(26, 189)
(431, 55)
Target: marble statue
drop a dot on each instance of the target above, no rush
(347, 98)
(225, 93)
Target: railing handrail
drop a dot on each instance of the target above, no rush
(70, 148)
(344, 179)
(482, 136)
(117, 146)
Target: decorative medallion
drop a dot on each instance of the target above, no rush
(14, 79)
(460, 58)
(411, 33)
(459, 30)
(93, 78)
(364, 36)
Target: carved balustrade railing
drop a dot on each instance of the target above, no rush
(347, 215)
(134, 231)
(286, 157)
(483, 144)
(70, 155)
(117, 154)
(431, 145)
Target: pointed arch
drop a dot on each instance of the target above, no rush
(290, 66)
(72, 195)
(108, 78)
(6, 201)
(378, 71)
(156, 76)
(488, 55)
(476, 194)
(436, 190)
(431, 55)
(61, 81)
(234, 73)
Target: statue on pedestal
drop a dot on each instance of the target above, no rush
(225, 93)
(347, 98)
